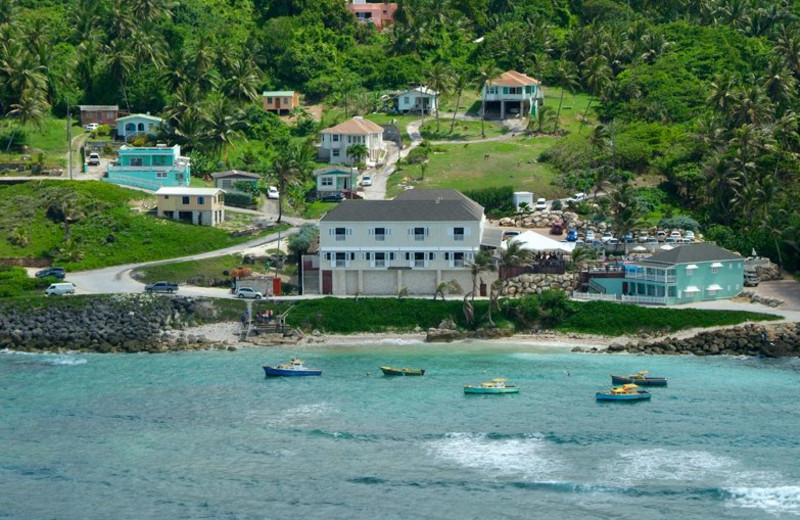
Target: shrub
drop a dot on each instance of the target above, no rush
(239, 199)
(679, 222)
(494, 200)
(556, 204)
(103, 130)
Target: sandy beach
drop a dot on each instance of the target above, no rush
(228, 333)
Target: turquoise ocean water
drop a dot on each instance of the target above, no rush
(204, 435)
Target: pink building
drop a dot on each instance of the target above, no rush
(380, 14)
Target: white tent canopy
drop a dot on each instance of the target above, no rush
(533, 241)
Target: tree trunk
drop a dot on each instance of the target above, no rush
(455, 112)
(280, 205)
(586, 113)
(436, 102)
(483, 110)
(11, 139)
(558, 113)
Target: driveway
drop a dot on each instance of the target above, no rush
(117, 279)
(787, 289)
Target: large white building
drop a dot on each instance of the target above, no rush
(414, 242)
(337, 139)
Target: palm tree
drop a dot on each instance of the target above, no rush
(596, 75)
(514, 255)
(775, 225)
(482, 263)
(566, 77)
(543, 116)
(357, 153)
(626, 211)
(451, 286)
(439, 80)
(120, 63)
(31, 108)
(461, 81)
(241, 81)
(582, 256)
(223, 125)
(486, 72)
(291, 166)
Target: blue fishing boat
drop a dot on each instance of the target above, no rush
(294, 367)
(629, 392)
(640, 378)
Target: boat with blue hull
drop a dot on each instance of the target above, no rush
(640, 378)
(495, 386)
(629, 392)
(294, 367)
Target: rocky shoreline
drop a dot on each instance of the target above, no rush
(775, 340)
(121, 323)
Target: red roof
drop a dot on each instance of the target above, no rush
(512, 78)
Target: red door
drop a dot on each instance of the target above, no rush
(327, 282)
(624, 287)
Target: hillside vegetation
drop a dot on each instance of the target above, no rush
(87, 224)
(699, 98)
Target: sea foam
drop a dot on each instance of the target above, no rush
(775, 500)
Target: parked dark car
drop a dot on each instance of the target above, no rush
(167, 287)
(55, 272)
(332, 197)
(557, 228)
(572, 235)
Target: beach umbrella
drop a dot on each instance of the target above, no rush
(639, 249)
(666, 247)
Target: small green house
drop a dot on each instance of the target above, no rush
(685, 274)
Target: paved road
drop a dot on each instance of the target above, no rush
(117, 279)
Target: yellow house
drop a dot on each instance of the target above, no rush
(200, 206)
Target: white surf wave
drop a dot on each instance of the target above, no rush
(520, 457)
(47, 358)
(669, 465)
(774, 500)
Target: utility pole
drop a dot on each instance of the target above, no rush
(69, 141)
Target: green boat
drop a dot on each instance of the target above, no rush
(495, 386)
(392, 371)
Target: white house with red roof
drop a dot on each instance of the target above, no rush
(335, 141)
(512, 93)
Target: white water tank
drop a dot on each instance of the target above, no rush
(522, 196)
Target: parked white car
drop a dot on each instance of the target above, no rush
(91, 127)
(689, 235)
(94, 159)
(272, 193)
(541, 204)
(578, 197)
(589, 237)
(607, 236)
(366, 180)
(248, 292)
(675, 234)
(60, 288)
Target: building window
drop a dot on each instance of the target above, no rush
(269, 100)
(327, 181)
(690, 270)
(419, 233)
(185, 200)
(714, 270)
(201, 200)
(380, 234)
(340, 233)
(406, 100)
(711, 292)
(380, 260)
(458, 234)
(419, 259)
(335, 152)
(136, 161)
(335, 138)
(458, 259)
(161, 175)
(341, 260)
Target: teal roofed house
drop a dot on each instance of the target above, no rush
(684, 274)
(150, 168)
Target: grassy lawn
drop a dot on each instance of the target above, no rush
(104, 230)
(463, 130)
(572, 109)
(202, 273)
(50, 140)
(465, 167)
(317, 209)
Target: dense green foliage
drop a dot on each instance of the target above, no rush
(701, 95)
(14, 281)
(550, 310)
(83, 225)
(614, 319)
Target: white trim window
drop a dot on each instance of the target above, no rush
(690, 269)
(380, 233)
(458, 234)
(419, 233)
(340, 233)
(326, 181)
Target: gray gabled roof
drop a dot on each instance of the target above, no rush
(689, 254)
(410, 206)
(235, 173)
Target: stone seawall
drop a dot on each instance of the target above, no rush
(121, 323)
(536, 283)
(780, 340)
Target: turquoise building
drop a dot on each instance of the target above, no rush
(150, 168)
(687, 273)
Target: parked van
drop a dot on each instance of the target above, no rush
(60, 288)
